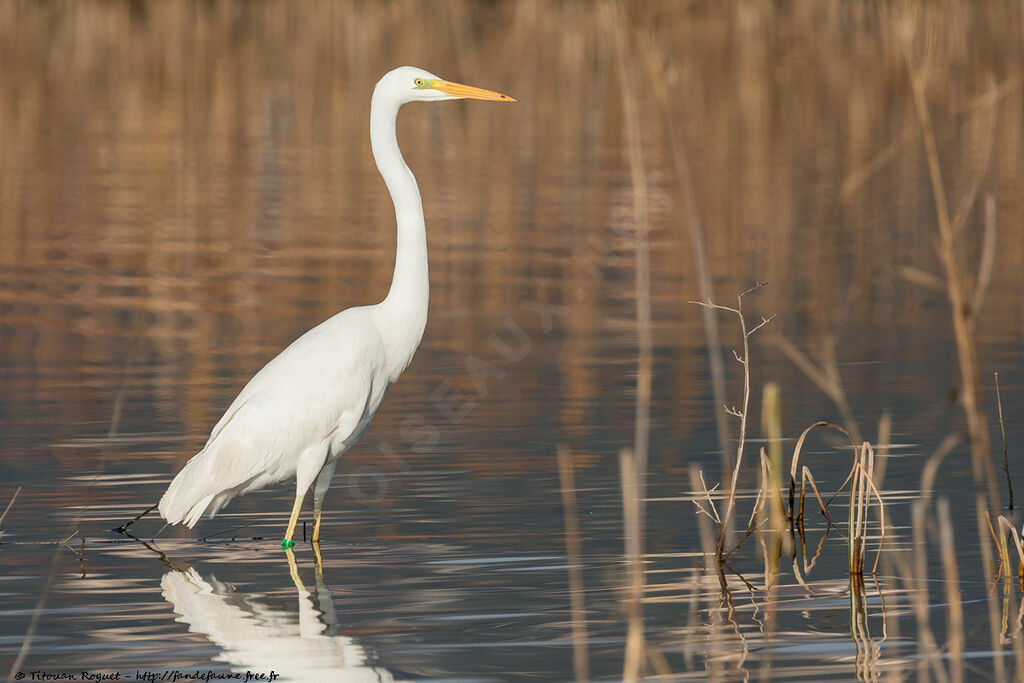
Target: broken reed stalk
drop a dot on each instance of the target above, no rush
(773, 495)
(580, 650)
(1002, 430)
(999, 541)
(797, 518)
(860, 492)
(776, 525)
(954, 609)
(744, 361)
(807, 478)
(882, 447)
(1004, 523)
(771, 426)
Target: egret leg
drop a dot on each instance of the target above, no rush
(287, 541)
(318, 506)
(310, 462)
(323, 482)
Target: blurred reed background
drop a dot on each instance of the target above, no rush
(186, 187)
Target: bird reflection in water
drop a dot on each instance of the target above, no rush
(299, 646)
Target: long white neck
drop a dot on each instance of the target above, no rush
(402, 316)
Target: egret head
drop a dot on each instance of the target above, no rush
(410, 84)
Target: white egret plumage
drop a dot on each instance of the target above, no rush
(312, 402)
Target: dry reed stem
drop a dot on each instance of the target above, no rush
(1008, 525)
(580, 649)
(963, 212)
(616, 26)
(635, 483)
(633, 664)
(999, 541)
(986, 494)
(695, 232)
(922, 278)
(998, 665)
(658, 663)
(861, 489)
(771, 424)
(1001, 550)
(777, 510)
(771, 427)
(758, 499)
(857, 520)
(917, 583)
(954, 611)
(881, 523)
(931, 466)
(882, 447)
(988, 259)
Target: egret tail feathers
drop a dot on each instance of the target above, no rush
(189, 496)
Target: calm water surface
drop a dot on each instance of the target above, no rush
(184, 189)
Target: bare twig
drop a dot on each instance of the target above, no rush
(124, 527)
(711, 503)
(9, 504)
(741, 413)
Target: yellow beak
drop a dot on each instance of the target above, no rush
(460, 90)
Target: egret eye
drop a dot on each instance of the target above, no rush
(418, 82)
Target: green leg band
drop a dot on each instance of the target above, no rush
(285, 544)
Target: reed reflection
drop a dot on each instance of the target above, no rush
(300, 644)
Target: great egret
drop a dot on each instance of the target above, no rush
(312, 402)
